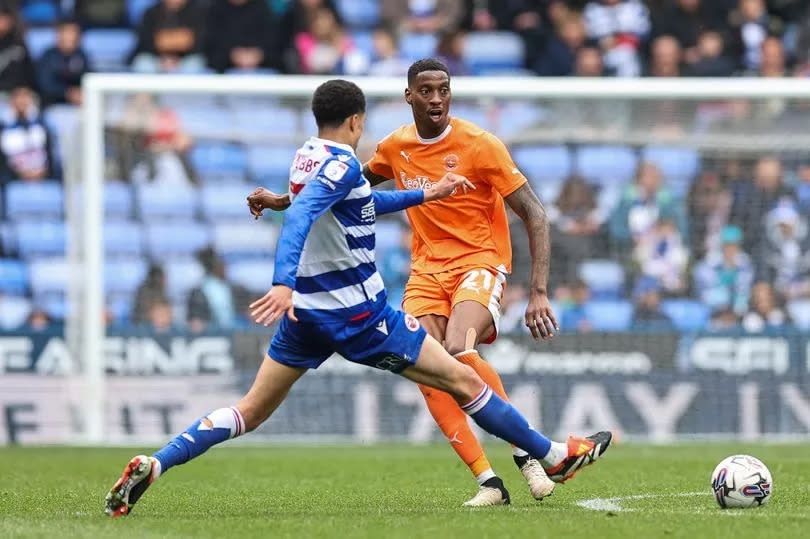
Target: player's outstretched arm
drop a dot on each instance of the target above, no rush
(263, 199)
(539, 317)
(397, 200)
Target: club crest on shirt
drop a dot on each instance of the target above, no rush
(450, 162)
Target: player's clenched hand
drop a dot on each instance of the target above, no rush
(273, 306)
(261, 199)
(448, 186)
(539, 317)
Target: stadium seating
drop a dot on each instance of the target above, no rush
(386, 118)
(14, 311)
(543, 163)
(799, 311)
(49, 276)
(418, 45)
(124, 276)
(40, 238)
(265, 120)
(493, 50)
(117, 199)
(205, 122)
(606, 315)
(270, 161)
(516, 116)
(255, 275)
(34, 199)
(162, 201)
(389, 232)
(136, 8)
(605, 278)
(38, 40)
(606, 165)
(477, 114)
(40, 11)
(249, 239)
(181, 276)
(176, 239)
(108, 48)
(13, 276)
(226, 201)
(679, 166)
(123, 238)
(217, 161)
(686, 314)
(363, 13)
(363, 40)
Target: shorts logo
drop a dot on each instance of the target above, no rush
(411, 323)
(391, 363)
(450, 161)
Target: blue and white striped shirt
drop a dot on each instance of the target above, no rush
(326, 248)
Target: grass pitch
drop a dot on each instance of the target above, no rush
(394, 491)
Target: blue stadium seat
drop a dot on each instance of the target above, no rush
(389, 234)
(363, 40)
(255, 275)
(386, 117)
(14, 311)
(13, 276)
(36, 12)
(493, 50)
(219, 160)
(62, 122)
(280, 121)
(226, 201)
(416, 46)
(543, 163)
(478, 115)
(124, 276)
(252, 239)
(181, 276)
(363, 13)
(606, 315)
(49, 276)
(38, 40)
(34, 199)
(108, 49)
(516, 116)
(606, 164)
(679, 166)
(117, 199)
(136, 9)
(55, 304)
(123, 238)
(270, 161)
(205, 122)
(161, 201)
(40, 238)
(120, 305)
(799, 311)
(176, 239)
(605, 278)
(686, 314)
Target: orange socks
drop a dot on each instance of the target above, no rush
(484, 370)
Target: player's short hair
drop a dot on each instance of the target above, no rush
(335, 100)
(425, 64)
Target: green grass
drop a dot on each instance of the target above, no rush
(390, 492)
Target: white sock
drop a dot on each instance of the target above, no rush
(518, 452)
(555, 455)
(156, 468)
(485, 476)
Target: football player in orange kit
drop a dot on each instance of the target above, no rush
(461, 255)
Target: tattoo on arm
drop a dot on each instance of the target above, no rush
(527, 206)
(373, 179)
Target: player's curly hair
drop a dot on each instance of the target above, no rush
(335, 100)
(425, 64)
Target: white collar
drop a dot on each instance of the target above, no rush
(327, 142)
(437, 138)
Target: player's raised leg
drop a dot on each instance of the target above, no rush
(270, 388)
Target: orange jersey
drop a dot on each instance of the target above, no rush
(463, 230)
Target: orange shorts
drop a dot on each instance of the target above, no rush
(438, 293)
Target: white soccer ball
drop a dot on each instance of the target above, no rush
(742, 481)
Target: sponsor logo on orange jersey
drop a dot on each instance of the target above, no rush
(450, 161)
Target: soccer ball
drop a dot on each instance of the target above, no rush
(741, 481)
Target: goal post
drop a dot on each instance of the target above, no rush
(97, 89)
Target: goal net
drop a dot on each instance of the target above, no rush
(680, 267)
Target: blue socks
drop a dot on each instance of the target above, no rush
(500, 418)
(216, 427)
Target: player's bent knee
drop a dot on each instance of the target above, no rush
(465, 384)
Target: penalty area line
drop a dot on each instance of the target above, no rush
(615, 503)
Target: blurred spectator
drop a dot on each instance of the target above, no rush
(513, 306)
(620, 27)
(723, 279)
(764, 314)
(662, 256)
(388, 60)
(772, 62)
(750, 25)
(665, 58)
(709, 210)
(101, 13)
(25, 144)
(39, 321)
(296, 19)
(160, 318)
(150, 292)
(576, 220)
(647, 314)
(152, 145)
(326, 49)
(216, 303)
(783, 253)
(803, 41)
(170, 38)
(559, 55)
(589, 63)
(642, 204)
(428, 16)
(450, 50)
(60, 69)
(709, 59)
(803, 188)
(242, 35)
(16, 68)
(572, 300)
(685, 20)
(524, 17)
(752, 200)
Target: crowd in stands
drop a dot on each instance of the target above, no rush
(723, 245)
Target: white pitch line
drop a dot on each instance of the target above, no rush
(614, 503)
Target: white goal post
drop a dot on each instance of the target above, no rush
(96, 88)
